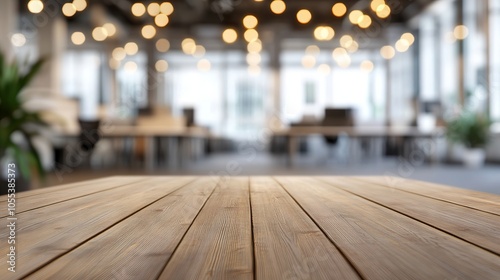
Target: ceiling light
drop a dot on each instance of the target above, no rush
(324, 33)
(138, 9)
(188, 46)
(408, 37)
(229, 36)
(461, 32)
(251, 35)
(161, 20)
(355, 16)
(304, 16)
(324, 69)
(161, 66)
(199, 51)
(131, 48)
(130, 66)
(383, 11)
(18, 39)
(204, 65)
(402, 45)
(312, 50)
(254, 46)
(110, 28)
(162, 45)
(148, 31)
(387, 52)
(367, 66)
(99, 34)
(69, 9)
(253, 58)
(278, 6)
(114, 64)
(338, 53)
(78, 38)
(80, 5)
(308, 61)
(35, 6)
(346, 41)
(153, 9)
(166, 8)
(250, 21)
(375, 5)
(344, 61)
(118, 53)
(365, 22)
(339, 9)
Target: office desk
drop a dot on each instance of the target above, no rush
(294, 133)
(181, 136)
(255, 228)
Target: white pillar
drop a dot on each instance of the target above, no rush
(8, 24)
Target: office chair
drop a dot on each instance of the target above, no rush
(340, 117)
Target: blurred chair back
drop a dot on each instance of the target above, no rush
(89, 134)
(337, 117)
(188, 114)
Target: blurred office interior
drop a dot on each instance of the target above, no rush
(232, 87)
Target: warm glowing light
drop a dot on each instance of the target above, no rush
(356, 16)
(161, 20)
(365, 22)
(35, 6)
(344, 61)
(153, 9)
(312, 50)
(199, 51)
(383, 11)
(253, 58)
(188, 46)
(69, 9)
(166, 8)
(409, 38)
(118, 53)
(204, 65)
(402, 45)
(80, 5)
(367, 66)
(278, 6)
(18, 40)
(110, 28)
(324, 33)
(352, 47)
(250, 21)
(254, 46)
(138, 9)
(387, 52)
(162, 45)
(375, 4)
(346, 41)
(308, 61)
(99, 34)
(251, 35)
(304, 16)
(254, 69)
(161, 66)
(324, 69)
(78, 38)
(461, 32)
(114, 64)
(339, 9)
(148, 31)
(338, 53)
(131, 48)
(130, 66)
(229, 36)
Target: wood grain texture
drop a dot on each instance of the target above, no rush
(67, 192)
(138, 247)
(383, 244)
(288, 245)
(473, 199)
(219, 243)
(48, 232)
(477, 227)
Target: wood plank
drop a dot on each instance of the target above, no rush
(473, 199)
(49, 232)
(477, 227)
(67, 192)
(288, 245)
(383, 244)
(219, 243)
(138, 247)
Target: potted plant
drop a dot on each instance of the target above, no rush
(472, 130)
(18, 126)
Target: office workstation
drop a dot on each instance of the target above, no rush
(259, 139)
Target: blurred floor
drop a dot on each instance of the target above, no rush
(486, 179)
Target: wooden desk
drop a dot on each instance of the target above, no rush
(296, 132)
(254, 228)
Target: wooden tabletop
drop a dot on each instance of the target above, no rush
(254, 228)
(360, 131)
